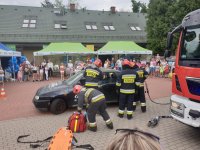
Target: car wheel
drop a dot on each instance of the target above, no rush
(58, 106)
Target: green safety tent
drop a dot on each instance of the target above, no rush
(122, 47)
(67, 48)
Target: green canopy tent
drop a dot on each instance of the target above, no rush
(66, 48)
(122, 47)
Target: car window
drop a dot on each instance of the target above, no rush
(109, 77)
(73, 79)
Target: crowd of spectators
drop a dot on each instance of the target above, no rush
(157, 67)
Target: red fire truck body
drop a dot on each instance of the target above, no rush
(185, 101)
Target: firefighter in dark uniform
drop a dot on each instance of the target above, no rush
(126, 83)
(142, 74)
(93, 74)
(95, 102)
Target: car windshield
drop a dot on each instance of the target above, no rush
(73, 79)
(191, 44)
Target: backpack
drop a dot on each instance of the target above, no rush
(77, 122)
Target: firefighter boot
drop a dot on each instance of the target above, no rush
(143, 108)
(120, 115)
(129, 117)
(110, 125)
(94, 129)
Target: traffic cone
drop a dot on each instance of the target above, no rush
(2, 93)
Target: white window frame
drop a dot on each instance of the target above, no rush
(138, 28)
(106, 28)
(63, 26)
(88, 27)
(133, 28)
(112, 28)
(25, 25)
(94, 27)
(32, 25)
(26, 21)
(33, 21)
(57, 26)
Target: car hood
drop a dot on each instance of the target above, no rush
(56, 86)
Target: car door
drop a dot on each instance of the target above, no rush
(108, 86)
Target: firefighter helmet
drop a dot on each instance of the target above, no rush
(126, 62)
(77, 89)
(98, 62)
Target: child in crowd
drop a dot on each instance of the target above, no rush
(20, 73)
(166, 71)
(157, 71)
(161, 71)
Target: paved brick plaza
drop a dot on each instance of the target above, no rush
(15, 121)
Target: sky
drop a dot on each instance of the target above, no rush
(121, 5)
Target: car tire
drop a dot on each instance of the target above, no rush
(58, 106)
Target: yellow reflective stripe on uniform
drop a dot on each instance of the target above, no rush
(97, 98)
(93, 124)
(91, 84)
(143, 104)
(87, 93)
(108, 121)
(121, 111)
(141, 84)
(92, 70)
(134, 103)
(129, 112)
(125, 91)
(128, 76)
(118, 84)
(137, 83)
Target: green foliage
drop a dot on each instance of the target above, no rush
(162, 17)
(138, 7)
(47, 4)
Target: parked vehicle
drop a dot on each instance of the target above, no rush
(185, 101)
(58, 96)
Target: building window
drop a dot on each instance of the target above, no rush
(60, 25)
(109, 27)
(91, 27)
(112, 28)
(133, 28)
(88, 27)
(29, 22)
(138, 28)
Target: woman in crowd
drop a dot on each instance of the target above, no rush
(134, 139)
(26, 73)
(34, 71)
(20, 74)
(41, 72)
(62, 71)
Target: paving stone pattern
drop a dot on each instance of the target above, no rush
(174, 135)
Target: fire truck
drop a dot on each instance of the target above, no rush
(185, 100)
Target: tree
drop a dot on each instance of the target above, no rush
(136, 6)
(158, 24)
(143, 8)
(59, 4)
(47, 4)
(162, 17)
